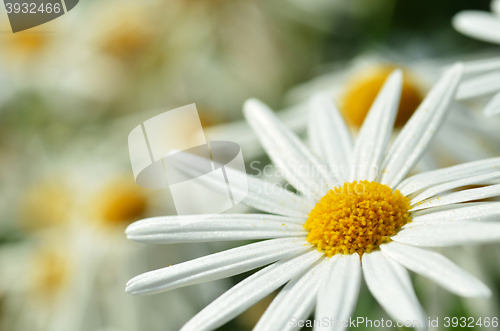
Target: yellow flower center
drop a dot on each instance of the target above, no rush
(29, 42)
(51, 271)
(28, 45)
(121, 201)
(362, 90)
(356, 218)
(127, 44)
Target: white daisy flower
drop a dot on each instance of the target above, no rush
(466, 136)
(374, 222)
(65, 268)
(483, 26)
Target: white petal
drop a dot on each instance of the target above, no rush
(391, 286)
(461, 171)
(328, 134)
(296, 299)
(438, 268)
(474, 180)
(478, 86)
(416, 135)
(461, 144)
(221, 227)
(440, 234)
(481, 66)
(339, 291)
(423, 212)
(376, 130)
(462, 117)
(299, 166)
(462, 196)
(428, 211)
(492, 108)
(260, 194)
(295, 117)
(427, 163)
(250, 291)
(274, 199)
(495, 6)
(478, 24)
(216, 266)
(484, 212)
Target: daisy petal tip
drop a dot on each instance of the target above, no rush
(477, 24)
(480, 290)
(495, 6)
(129, 289)
(132, 237)
(462, 20)
(134, 289)
(130, 230)
(397, 74)
(457, 69)
(483, 292)
(129, 283)
(395, 79)
(253, 104)
(132, 292)
(456, 21)
(135, 227)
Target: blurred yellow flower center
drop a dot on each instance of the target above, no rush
(362, 90)
(127, 42)
(122, 202)
(50, 272)
(356, 218)
(28, 42)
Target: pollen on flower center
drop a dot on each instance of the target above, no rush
(356, 218)
(362, 90)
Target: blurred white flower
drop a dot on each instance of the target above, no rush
(67, 266)
(466, 136)
(122, 56)
(486, 74)
(130, 55)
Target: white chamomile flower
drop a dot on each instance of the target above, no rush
(486, 74)
(373, 222)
